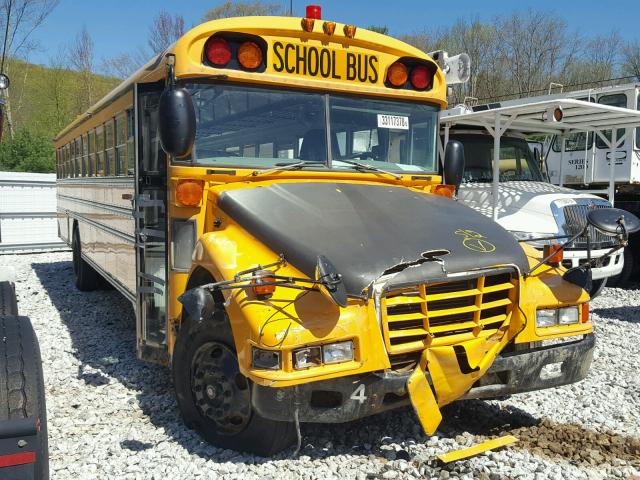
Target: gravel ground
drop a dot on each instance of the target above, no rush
(112, 416)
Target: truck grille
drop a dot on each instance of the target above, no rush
(575, 219)
(446, 313)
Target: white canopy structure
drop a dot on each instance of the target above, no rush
(560, 117)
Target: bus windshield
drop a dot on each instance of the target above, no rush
(254, 127)
(516, 160)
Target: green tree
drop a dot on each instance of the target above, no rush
(383, 29)
(243, 9)
(27, 152)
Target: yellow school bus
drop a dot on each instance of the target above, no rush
(267, 194)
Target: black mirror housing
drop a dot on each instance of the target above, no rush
(177, 122)
(613, 221)
(453, 163)
(580, 276)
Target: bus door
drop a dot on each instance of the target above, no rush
(151, 228)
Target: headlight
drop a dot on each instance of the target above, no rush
(337, 352)
(527, 236)
(267, 359)
(569, 315)
(549, 317)
(307, 357)
(326, 354)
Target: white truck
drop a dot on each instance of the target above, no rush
(502, 176)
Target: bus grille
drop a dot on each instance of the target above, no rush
(575, 219)
(445, 313)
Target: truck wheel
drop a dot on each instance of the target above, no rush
(214, 397)
(8, 304)
(624, 276)
(22, 386)
(87, 279)
(596, 287)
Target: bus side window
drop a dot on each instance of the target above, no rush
(85, 160)
(131, 153)
(121, 144)
(100, 151)
(109, 162)
(91, 154)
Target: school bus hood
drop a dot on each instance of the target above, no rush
(367, 230)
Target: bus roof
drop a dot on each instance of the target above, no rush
(188, 51)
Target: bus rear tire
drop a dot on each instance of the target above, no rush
(87, 279)
(22, 389)
(214, 397)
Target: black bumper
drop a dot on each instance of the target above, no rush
(349, 398)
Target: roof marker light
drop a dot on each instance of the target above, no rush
(420, 77)
(314, 11)
(397, 74)
(218, 51)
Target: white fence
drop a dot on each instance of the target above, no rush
(28, 213)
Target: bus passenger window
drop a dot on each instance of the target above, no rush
(109, 160)
(92, 152)
(121, 145)
(100, 170)
(85, 158)
(131, 153)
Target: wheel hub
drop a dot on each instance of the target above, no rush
(220, 391)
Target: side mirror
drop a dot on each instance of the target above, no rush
(580, 276)
(453, 163)
(332, 281)
(177, 121)
(613, 221)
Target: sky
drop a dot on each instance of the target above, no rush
(120, 26)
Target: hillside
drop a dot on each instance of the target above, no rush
(42, 101)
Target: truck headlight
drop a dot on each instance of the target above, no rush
(548, 317)
(267, 359)
(337, 352)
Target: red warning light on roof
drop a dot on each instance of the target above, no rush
(314, 11)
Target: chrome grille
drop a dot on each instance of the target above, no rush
(575, 218)
(446, 313)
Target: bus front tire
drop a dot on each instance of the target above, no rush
(596, 287)
(87, 279)
(214, 397)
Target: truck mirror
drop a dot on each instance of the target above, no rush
(613, 221)
(580, 276)
(177, 121)
(453, 163)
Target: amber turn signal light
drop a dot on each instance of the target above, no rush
(445, 190)
(554, 252)
(397, 74)
(263, 283)
(584, 317)
(189, 193)
(250, 55)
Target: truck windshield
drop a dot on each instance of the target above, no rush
(516, 160)
(255, 127)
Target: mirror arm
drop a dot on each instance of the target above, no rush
(562, 247)
(171, 70)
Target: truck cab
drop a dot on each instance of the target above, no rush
(530, 206)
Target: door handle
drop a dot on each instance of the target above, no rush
(127, 196)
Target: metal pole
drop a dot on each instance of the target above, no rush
(495, 190)
(563, 146)
(612, 165)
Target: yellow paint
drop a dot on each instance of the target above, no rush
(477, 449)
(423, 401)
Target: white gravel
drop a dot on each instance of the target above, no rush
(113, 416)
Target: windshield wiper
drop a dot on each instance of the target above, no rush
(371, 168)
(280, 167)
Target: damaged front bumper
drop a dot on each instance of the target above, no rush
(349, 398)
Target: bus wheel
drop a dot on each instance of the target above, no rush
(87, 279)
(214, 397)
(596, 287)
(22, 394)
